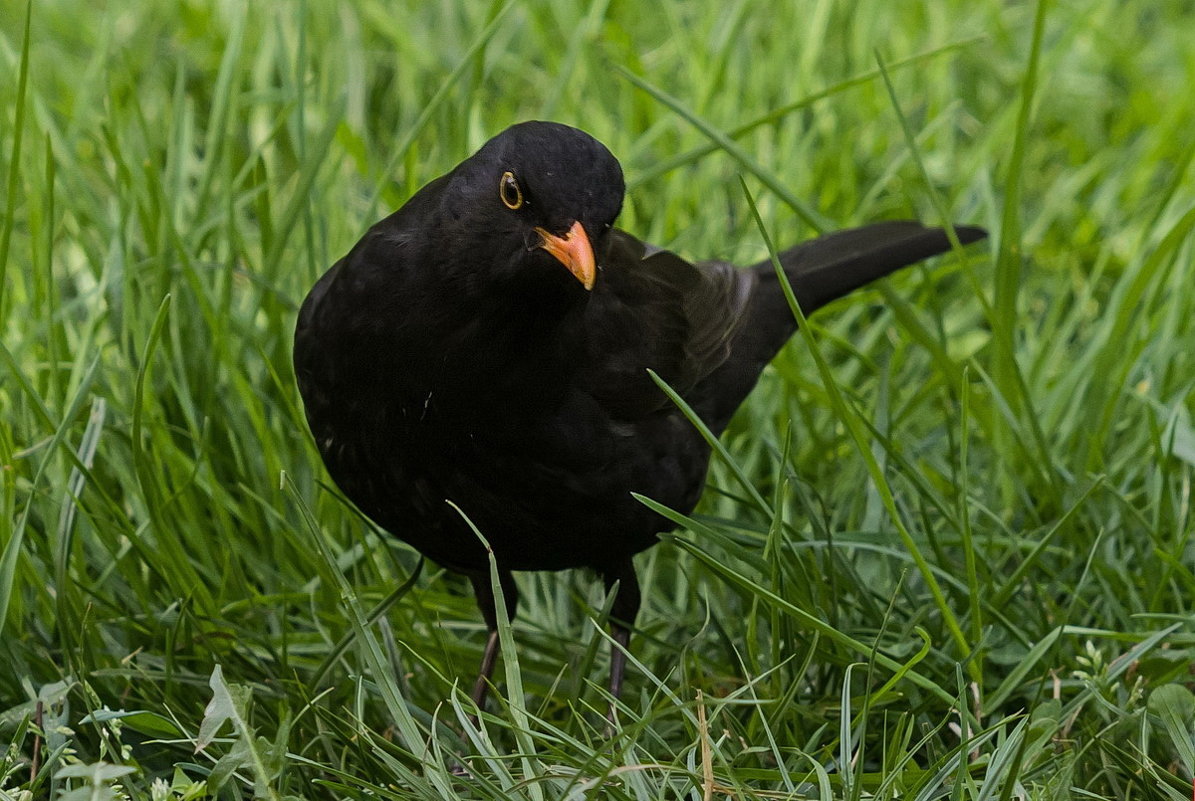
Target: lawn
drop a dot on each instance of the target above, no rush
(946, 551)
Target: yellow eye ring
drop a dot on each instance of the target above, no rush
(509, 191)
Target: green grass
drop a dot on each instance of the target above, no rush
(948, 552)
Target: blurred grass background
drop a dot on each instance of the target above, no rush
(176, 175)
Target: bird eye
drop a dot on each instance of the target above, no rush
(508, 190)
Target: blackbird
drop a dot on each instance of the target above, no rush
(484, 352)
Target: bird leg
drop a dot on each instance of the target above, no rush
(618, 657)
(622, 617)
(484, 591)
(481, 687)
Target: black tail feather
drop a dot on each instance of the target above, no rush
(826, 268)
(819, 271)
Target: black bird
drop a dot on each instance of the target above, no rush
(488, 345)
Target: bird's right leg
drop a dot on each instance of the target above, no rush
(622, 617)
(484, 590)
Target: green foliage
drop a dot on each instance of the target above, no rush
(946, 550)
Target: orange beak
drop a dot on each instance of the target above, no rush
(574, 252)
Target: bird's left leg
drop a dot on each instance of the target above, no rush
(622, 618)
(484, 590)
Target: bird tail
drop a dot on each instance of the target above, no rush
(820, 271)
(826, 268)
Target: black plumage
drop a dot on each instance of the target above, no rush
(488, 344)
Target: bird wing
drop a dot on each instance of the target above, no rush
(654, 310)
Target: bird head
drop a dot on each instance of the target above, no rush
(534, 207)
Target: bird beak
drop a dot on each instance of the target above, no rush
(574, 252)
